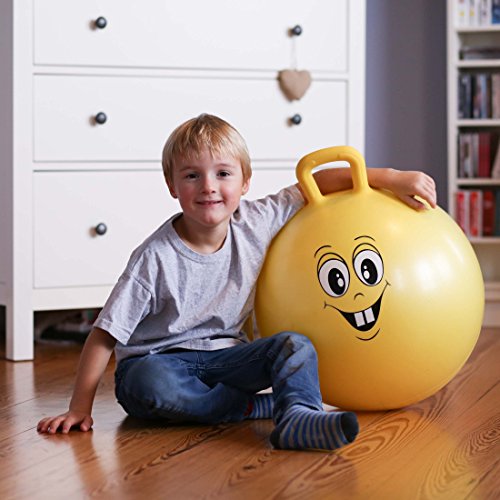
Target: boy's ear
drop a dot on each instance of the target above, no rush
(246, 187)
(171, 189)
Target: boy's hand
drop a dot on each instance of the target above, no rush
(65, 422)
(404, 184)
(408, 184)
(93, 361)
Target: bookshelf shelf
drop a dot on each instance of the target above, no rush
(477, 182)
(479, 63)
(465, 41)
(477, 122)
(488, 240)
(493, 28)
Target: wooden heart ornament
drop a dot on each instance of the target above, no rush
(294, 83)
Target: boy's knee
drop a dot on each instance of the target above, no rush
(148, 389)
(294, 338)
(295, 342)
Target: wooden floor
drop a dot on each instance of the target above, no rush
(445, 447)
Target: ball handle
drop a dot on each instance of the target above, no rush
(327, 155)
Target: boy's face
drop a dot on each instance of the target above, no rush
(208, 189)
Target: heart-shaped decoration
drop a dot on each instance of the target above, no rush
(294, 83)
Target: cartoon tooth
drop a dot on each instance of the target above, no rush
(370, 318)
(360, 320)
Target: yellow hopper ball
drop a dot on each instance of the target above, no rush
(391, 297)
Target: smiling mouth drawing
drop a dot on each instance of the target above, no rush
(363, 320)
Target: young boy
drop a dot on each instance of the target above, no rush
(175, 318)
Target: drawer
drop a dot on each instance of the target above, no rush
(216, 34)
(69, 205)
(142, 111)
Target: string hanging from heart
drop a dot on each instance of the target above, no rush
(293, 82)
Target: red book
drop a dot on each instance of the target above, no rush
(462, 210)
(484, 160)
(488, 212)
(476, 213)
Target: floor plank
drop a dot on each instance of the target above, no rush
(447, 446)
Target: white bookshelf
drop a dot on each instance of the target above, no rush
(487, 248)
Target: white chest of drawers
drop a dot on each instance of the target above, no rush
(76, 195)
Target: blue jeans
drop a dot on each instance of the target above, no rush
(213, 387)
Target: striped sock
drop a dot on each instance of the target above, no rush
(302, 428)
(260, 406)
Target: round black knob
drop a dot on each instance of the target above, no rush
(296, 119)
(101, 228)
(296, 30)
(101, 22)
(100, 118)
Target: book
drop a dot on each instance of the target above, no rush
(484, 157)
(474, 12)
(495, 95)
(465, 95)
(495, 168)
(485, 12)
(481, 96)
(465, 155)
(462, 10)
(478, 155)
(486, 96)
(462, 210)
(479, 52)
(496, 227)
(475, 213)
(488, 212)
(474, 155)
(495, 11)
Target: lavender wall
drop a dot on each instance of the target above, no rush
(406, 87)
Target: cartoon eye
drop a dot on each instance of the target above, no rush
(369, 267)
(334, 277)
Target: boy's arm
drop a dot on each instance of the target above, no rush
(93, 362)
(404, 184)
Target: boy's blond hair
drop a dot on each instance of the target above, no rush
(205, 131)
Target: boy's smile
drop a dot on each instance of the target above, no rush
(209, 189)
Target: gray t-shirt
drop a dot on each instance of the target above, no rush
(172, 297)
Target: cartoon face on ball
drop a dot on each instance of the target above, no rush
(392, 298)
(354, 285)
